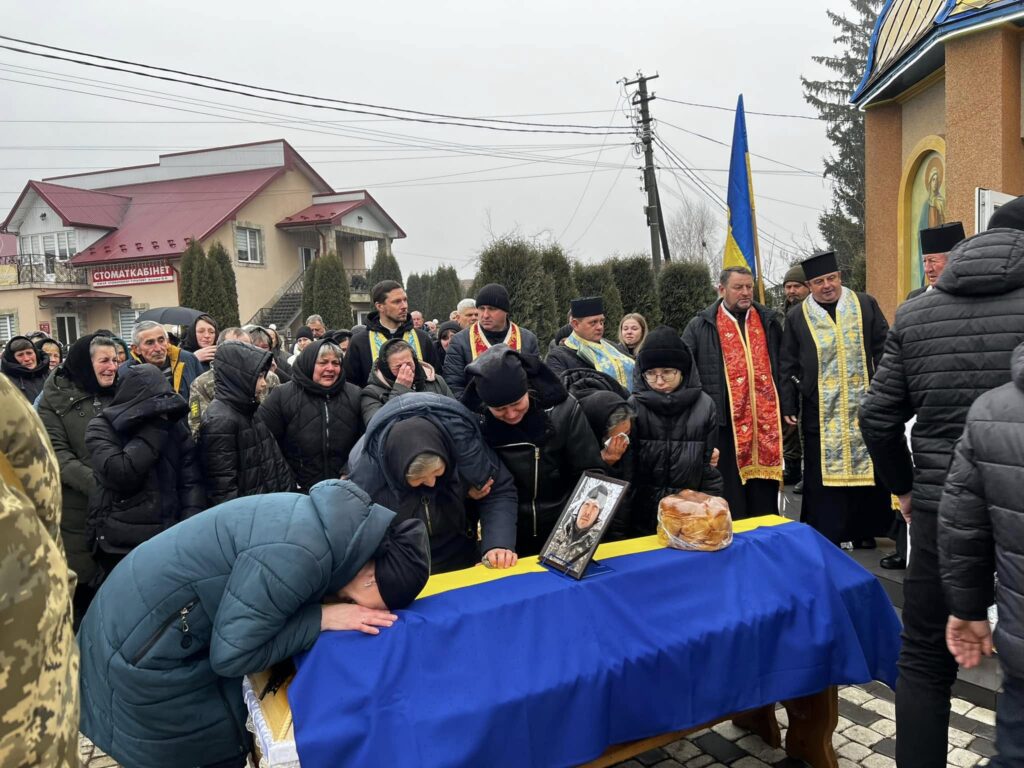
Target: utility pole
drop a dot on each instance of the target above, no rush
(642, 99)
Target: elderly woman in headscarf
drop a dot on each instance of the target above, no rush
(76, 393)
(227, 593)
(53, 350)
(315, 417)
(25, 366)
(424, 457)
(398, 372)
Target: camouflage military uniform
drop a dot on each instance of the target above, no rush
(567, 547)
(201, 395)
(38, 654)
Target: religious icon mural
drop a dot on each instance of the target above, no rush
(928, 208)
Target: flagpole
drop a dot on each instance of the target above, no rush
(753, 222)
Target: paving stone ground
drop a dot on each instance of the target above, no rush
(864, 738)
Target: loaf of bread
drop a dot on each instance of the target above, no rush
(693, 520)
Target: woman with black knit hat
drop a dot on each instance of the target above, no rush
(76, 393)
(675, 430)
(227, 593)
(538, 429)
(398, 372)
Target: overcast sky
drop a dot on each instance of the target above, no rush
(526, 59)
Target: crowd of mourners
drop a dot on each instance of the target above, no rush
(218, 488)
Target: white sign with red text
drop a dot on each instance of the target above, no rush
(135, 274)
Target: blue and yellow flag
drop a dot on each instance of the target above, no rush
(741, 241)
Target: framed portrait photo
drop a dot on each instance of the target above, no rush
(583, 522)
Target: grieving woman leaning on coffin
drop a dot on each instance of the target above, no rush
(227, 593)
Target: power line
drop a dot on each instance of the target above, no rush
(430, 118)
(733, 109)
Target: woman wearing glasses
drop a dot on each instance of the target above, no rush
(674, 434)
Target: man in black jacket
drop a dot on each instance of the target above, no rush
(794, 285)
(946, 348)
(936, 243)
(981, 530)
(389, 320)
(830, 349)
(540, 432)
(735, 344)
(492, 327)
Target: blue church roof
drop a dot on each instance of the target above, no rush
(903, 46)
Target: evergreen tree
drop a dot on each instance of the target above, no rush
(214, 296)
(634, 277)
(842, 225)
(308, 285)
(331, 295)
(385, 267)
(515, 263)
(684, 289)
(445, 293)
(218, 255)
(598, 280)
(416, 288)
(189, 271)
(558, 269)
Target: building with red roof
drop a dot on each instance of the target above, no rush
(68, 240)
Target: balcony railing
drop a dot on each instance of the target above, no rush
(47, 268)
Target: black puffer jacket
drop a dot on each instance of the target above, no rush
(240, 454)
(314, 426)
(947, 347)
(582, 382)
(146, 466)
(546, 452)
(382, 385)
(701, 336)
(981, 517)
(72, 397)
(29, 381)
(672, 442)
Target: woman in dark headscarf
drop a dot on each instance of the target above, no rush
(201, 339)
(398, 372)
(53, 349)
(25, 366)
(445, 332)
(424, 457)
(611, 419)
(75, 394)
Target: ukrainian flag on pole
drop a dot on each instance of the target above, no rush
(741, 242)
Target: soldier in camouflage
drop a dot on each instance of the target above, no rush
(580, 533)
(38, 654)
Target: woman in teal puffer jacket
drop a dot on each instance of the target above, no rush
(226, 593)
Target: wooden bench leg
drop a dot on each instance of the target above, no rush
(762, 722)
(812, 720)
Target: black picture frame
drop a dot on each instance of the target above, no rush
(567, 549)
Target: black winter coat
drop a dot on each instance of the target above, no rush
(546, 452)
(561, 359)
(146, 466)
(946, 347)
(673, 438)
(460, 354)
(981, 517)
(582, 382)
(71, 399)
(359, 358)
(240, 455)
(28, 381)
(701, 336)
(314, 426)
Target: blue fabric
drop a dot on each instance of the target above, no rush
(541, 670)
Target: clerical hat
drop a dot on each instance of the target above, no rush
(820, 264)
(941, 239)
(586, 307)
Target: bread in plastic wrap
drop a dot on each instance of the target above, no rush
(695, 521)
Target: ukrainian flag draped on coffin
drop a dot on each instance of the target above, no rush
(741, 239)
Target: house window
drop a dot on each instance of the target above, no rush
(45, 251)
(248, 246)
(67, 329)
(306, 256)
(8, 328)
(66, 245)
(126, 322)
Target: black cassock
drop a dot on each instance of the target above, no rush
(838, 513)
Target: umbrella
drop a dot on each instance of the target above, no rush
(171, 315)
